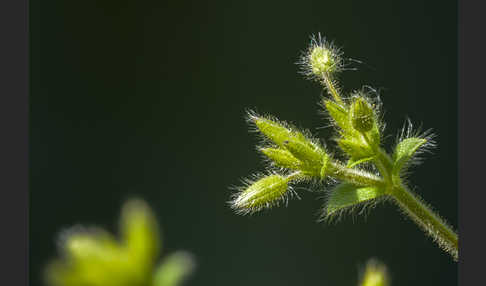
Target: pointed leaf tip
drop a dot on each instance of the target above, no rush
(404, 151)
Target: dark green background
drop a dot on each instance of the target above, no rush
(146, 99)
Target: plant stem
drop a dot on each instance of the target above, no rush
(413, 206)
(358, 177)
(332, 90)
(382, 161)
(430, 222)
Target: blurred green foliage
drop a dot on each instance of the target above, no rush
(375, 274)
(93, 257)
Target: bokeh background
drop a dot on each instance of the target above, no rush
(147, 98)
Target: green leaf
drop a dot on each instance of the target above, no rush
(354, 149)
(404, 151)
(339, 114)
(347, 195)
(375, 134)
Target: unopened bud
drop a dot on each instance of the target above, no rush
(321, 60)
(282, 158)
(264, 193)
(362, 115)
(277, 132)
(273, 130)
(307, 153)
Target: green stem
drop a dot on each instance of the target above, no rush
(332, 90)
(382, 161)
(430, 222)
(355, 176)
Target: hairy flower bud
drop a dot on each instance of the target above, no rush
(282, 158)
(306, 153)
(273, 130)
(321, 60)
(279, 133)
(362, 115)
(264, 193)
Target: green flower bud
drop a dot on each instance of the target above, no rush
(321, 60)
(273, 130)
(306, 153)
(362, 115)
(282, 158)
(278, 132)
(264, 193)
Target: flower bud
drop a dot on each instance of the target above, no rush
(273, 130)
(306, 153)
(282, 158)
(362, 115)
(321, 60)
(264, 193)
(277, 132)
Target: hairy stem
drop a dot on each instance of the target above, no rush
(332, 90)
(381, 159)
(358, 177)
(430, 222)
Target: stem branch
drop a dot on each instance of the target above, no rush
(358, 177)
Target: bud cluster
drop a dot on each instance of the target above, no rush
(358, 125)
(287, 149)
